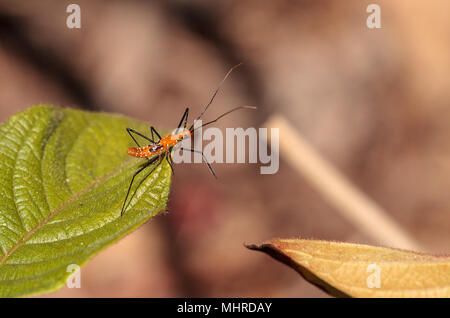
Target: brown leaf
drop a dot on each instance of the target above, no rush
(344, 269)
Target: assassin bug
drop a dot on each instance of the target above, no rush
(160, 148)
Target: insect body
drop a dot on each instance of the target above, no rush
(164, 144)
(160, 148)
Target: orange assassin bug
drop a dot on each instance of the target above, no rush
(160, 148)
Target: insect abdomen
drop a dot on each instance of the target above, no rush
(143, 152)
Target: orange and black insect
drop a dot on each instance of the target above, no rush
(160, 148)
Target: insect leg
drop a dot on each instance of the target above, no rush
(129, 130)
(184, 118)
(145, 165)
(153, 130)
(204, 158)
(170, 161)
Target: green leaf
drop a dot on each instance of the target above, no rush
(64, 176)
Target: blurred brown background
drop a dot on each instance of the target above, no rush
(374, 102)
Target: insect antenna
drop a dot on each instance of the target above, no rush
(192, 129)
(215, 93)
